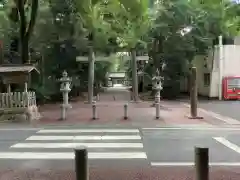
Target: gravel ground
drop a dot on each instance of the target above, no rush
(136, 173)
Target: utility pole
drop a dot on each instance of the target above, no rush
(220, 68)
(193, 93)
(134, 76)
(91, 61)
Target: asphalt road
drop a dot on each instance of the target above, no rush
(175, 147)
(225, 108)
(119, 148)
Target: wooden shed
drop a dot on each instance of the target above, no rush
(16, 74)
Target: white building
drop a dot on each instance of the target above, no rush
(208, 68)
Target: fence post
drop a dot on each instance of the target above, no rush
(202, 163)
(81, 163)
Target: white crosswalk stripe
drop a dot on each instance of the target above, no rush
(89, 130)
(59, 144)
(74, 145)
(104, 137)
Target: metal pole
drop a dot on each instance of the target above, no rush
(193, 93)
(157, 105)
(202, 163)
(91, 59)
(63, 112)
(125, 108)
(94, 111)
(220, 68)
(81, 163)
(134, 75)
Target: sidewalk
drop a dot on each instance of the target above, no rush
(172, 113)
(110, 111)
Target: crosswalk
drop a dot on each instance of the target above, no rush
(60, 144)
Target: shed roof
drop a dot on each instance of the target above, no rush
(17, 68)
(117, 74)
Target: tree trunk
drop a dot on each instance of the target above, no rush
(155, 51)
(91, 60)
(1, 53)
(134, 75)
(23, 25)
(25, 51)
(42, 67)
(25, 32)
(32, 22)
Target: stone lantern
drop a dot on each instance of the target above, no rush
(65, 89)
(157, 85)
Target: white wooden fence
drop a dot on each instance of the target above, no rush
(17, 99)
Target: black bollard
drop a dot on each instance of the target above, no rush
(202, 163)
(81, 163)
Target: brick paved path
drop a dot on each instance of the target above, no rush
(115, 94)
(110, 111)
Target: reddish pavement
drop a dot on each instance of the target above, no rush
(111, 112)
(121, 173)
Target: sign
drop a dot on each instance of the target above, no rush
(15, 79)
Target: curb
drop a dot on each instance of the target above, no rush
(225, 119)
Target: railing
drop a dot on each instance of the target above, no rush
(17, 99)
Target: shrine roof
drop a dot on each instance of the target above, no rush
(17, 68)
(117, 74)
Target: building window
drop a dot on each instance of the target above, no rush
(206, 79)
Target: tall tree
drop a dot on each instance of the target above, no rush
(184, 29)
(91, 15)
(19, 14)
(133, 22)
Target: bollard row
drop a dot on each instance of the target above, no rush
(201, 163)
(125, 111)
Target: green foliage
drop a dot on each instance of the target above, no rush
(101, 68)
(65, 28)
(24, 14)
(133, 23)
(205, 20)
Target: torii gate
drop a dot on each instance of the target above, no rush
(91, 62)
(108, 58)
